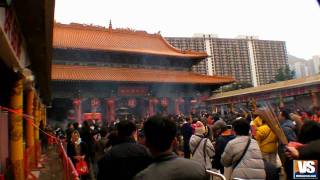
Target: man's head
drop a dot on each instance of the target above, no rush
(241, 127)
(159, 132)
(284, 114)
(218, 127)
(75, 125)
(126, 129)
(189, 120)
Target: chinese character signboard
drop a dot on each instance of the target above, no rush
(132, 91)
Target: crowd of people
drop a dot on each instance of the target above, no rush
(237, 145)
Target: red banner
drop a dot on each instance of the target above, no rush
(92, 116)
(132, 91)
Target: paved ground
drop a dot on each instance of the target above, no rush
(52, 169)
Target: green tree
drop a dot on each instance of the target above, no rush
(280, 75)
(236, 86)
(284, 73)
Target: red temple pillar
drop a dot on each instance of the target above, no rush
(151, 107)
(178, 102)
(111, 110)
(177, 106)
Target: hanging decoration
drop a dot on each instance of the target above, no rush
(95, 103)
(164, 102)
(132, 102)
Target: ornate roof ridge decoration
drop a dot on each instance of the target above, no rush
(154, 43)
(98, 73)
(103, 28)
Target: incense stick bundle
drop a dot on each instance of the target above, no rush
(269, 116)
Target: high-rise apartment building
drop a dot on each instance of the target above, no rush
(301, 69)
(316, 64)
(248, 59)
(196, 44)
(268, 57)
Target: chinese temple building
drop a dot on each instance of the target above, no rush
(115, 72)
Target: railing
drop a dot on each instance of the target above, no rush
(215, 175)
(69, 171)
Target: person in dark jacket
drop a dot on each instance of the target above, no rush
(308, 130)
(187, 133)
(287, 125)
(87, 137)
(288, 128)
(160, 133)
(222, 140)
(126, 158)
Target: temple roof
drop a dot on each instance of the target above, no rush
(94, 73)
(289, 84)
(79, 36)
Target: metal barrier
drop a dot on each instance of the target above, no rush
(215, 175)
(69, 171)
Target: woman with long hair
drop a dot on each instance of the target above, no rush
(77, 151)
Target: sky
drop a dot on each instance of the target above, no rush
(295, 21)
